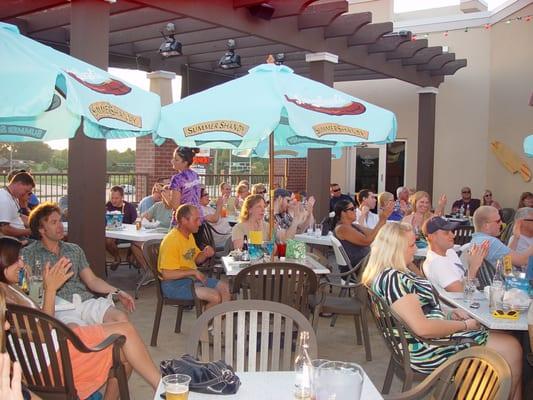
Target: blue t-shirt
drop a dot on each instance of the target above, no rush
(145, 204)
(497, 250)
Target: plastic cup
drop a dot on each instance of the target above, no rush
(339, 380)
(255, 237)
(318, 230)
(176, 386)
(281, 249)
(496, 297)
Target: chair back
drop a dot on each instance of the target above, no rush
(341, 257)
(463, 234)
(486, 273)
(474, 373)
(287, 283)
(151, 255)
(507, 232)
(507, 214)
(391, 329)
(250, 335)
(40, 343)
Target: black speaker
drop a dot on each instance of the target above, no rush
(263, 11)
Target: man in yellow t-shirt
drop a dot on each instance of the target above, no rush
(178, 258)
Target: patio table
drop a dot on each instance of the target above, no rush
(310, 238)
(232, 267)
(272, 385)
(130, 233)
(482, 314)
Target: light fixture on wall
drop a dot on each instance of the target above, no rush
(170, 46)
(230, 59)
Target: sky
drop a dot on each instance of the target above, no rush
(137, 78)
(413, 5)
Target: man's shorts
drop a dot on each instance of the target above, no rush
(88, 312)
(180, 289)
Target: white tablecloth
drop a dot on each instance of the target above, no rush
(269, 386)
(233, 267)
(312, 239)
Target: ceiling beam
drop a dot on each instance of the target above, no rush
(423, 56)
(389, 42)
(369, 34)
(347, 24)
(450, 68)
(408, 49)
(284, 30)
(321, 15)
(437, 62)
(16, 8)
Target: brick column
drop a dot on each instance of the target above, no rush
(149, 158)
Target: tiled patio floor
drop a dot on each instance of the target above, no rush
(337, 343)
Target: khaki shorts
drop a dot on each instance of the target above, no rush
(88, 312)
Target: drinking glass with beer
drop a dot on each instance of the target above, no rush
(176, 386)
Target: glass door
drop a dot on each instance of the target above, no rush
(370, 168)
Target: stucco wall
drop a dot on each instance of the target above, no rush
(485, 101)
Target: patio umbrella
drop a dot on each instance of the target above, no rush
(46, 94)
(274, 103)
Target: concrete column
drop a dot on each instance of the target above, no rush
(151, 159)
(427, 99)
(89, 41)
(319, 160)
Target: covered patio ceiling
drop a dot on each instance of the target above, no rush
(366, 50)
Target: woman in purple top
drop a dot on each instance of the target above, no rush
(185, 186)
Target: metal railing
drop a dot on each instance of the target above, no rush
(53, 186)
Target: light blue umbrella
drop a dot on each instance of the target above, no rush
(282, 152)
(241, 113)
(46, 94)
(528, 146)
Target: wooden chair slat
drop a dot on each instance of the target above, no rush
(217, 337)
(265, 331)
(241, 334)
(252, 342)
(228, 340)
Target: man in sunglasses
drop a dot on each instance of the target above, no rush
(487, 223)
(466, 203)
(522, 237)
(337, 195)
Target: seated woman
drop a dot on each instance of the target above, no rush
(413, 299)
(222, 229)
(251, 219)
(230, 201)
(243, 191)
(90, 370)
(421, 205)
(488, 200)
(354, 238)
(385, 199)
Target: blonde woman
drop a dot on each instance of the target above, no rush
(251, 219)
(421, 204)
(243, 191)
(488, 200)
(413, 299)
(384, 201)
(259, 188)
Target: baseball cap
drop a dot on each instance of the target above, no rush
(434, 224)
(281, 193)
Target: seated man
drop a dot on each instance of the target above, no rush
(337, 195)
(161, 210)
(129, 215)
(12, 221)
(367, 201)
(45, 223)
(487, 223)
(290, 216)
(442, 265)
(466, 203)
(522, 237)
(150, 200)
(178, 258)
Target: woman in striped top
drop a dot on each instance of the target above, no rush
(413, 299)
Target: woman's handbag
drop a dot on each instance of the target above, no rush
(215, 377)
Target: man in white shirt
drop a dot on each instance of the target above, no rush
(12, 222)
(522, 237)
(442, 266)
(367, 201)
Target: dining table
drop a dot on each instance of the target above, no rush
(311, 238)
(482, 314)
(269, 385)
(232, 267)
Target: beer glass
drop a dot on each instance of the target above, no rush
(176, 386)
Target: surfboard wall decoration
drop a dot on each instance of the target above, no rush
(511, 160)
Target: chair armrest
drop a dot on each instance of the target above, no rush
(109, 341)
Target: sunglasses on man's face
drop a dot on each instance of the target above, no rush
(336, 190)
(465, 192)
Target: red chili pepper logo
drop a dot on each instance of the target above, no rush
(109, 86)
(352, 108)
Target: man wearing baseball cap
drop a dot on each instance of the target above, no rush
(442, 265)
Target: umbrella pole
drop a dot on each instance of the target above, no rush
(271, 183)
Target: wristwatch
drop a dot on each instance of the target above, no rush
(116, 292)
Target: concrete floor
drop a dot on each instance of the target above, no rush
(337, 343)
